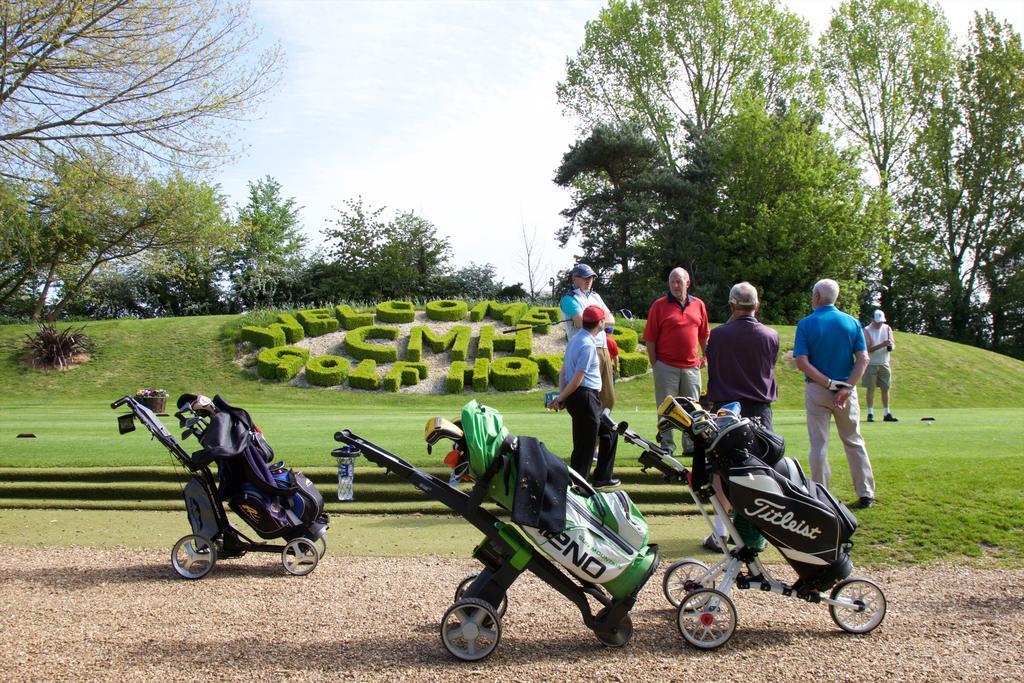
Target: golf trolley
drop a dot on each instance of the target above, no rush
(303, 522)
(706, 615)
(471, 628)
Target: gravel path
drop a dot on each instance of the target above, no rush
(74, 614)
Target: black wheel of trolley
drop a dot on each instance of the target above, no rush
(619, 635)
(464, 585)
(706, 618)
(300, 556)
(682, 577)
(867, 609)
(471, 629)
(193, 556)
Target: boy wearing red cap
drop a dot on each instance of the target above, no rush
(579, 393)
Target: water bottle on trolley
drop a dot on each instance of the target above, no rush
(346, 471)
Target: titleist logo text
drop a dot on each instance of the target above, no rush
(772, 513)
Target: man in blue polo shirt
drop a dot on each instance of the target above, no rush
(830, 350)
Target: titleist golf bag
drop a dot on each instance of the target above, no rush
(799, 517)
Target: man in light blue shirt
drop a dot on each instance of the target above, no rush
(829, 349)
(579, 393)
(580, 296)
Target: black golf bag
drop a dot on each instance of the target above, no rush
(809, 527)
(275, 501)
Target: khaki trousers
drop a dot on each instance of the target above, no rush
(607, 379)
(820, 410)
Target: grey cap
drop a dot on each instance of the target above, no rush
(582, 270)
(744, 295)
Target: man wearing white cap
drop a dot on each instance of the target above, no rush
(878, 337)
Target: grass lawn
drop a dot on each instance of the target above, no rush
(947, 489)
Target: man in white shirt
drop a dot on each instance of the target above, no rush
(878, 337)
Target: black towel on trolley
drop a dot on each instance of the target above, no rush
(542, 480)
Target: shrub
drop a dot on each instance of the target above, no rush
(521, 344)
(448, 310)
(550, 365)
(457, 339)
(327, 371)
(291, 327)
(317, 321)
(632, 364)
(514, 374)
(485, 342)
(626, 338)
(395, 312)
(351, 320)
(267, 337)
(365, 376)
(481, 374)
(541, 317)
(281, 363)
(507, 313)
(49, 347)
(455, 380)
(404, 373)
(357, 346)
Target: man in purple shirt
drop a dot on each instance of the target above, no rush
(741, 358)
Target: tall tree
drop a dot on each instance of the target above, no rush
(155, 77)
(268, 246)
(968, 182)
(790, 209)
(670, 65)
(90, 216)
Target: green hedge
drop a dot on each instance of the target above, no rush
(365, 376)
(396, 312)
(632, 364)
(514, 374)
(455, 380)
(541, 317)
(327, 371)
(351, 320)
(550, 365)
(447, 310)
(457, 339)
(507, 313)
(267, 337)
(520, 344)
(485, 342)
(281, 363)
(357, 346)
(626, 338)
(481, 374)
(317, 321)
(404, 372)
(291, 327)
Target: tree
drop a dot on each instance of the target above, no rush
(151, 77)
(965, 209)
(790, 210)
(670, 65)
(370, 257)
(90, 216)
(881, 61)
(531, 260)
(621, 188)
(268, 249)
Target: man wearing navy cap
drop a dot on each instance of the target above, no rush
(580, 295)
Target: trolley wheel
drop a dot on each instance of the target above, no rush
(682, 577)
(464, 585)
(869, 605)
(322, 546)
(706, 618)
(618, 635)
(193, 556)
(471, 629)
(300, 556)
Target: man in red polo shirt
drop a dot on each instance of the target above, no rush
(676, 325)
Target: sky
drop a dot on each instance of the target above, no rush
(445, 108)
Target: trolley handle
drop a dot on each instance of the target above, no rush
(120, 402)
